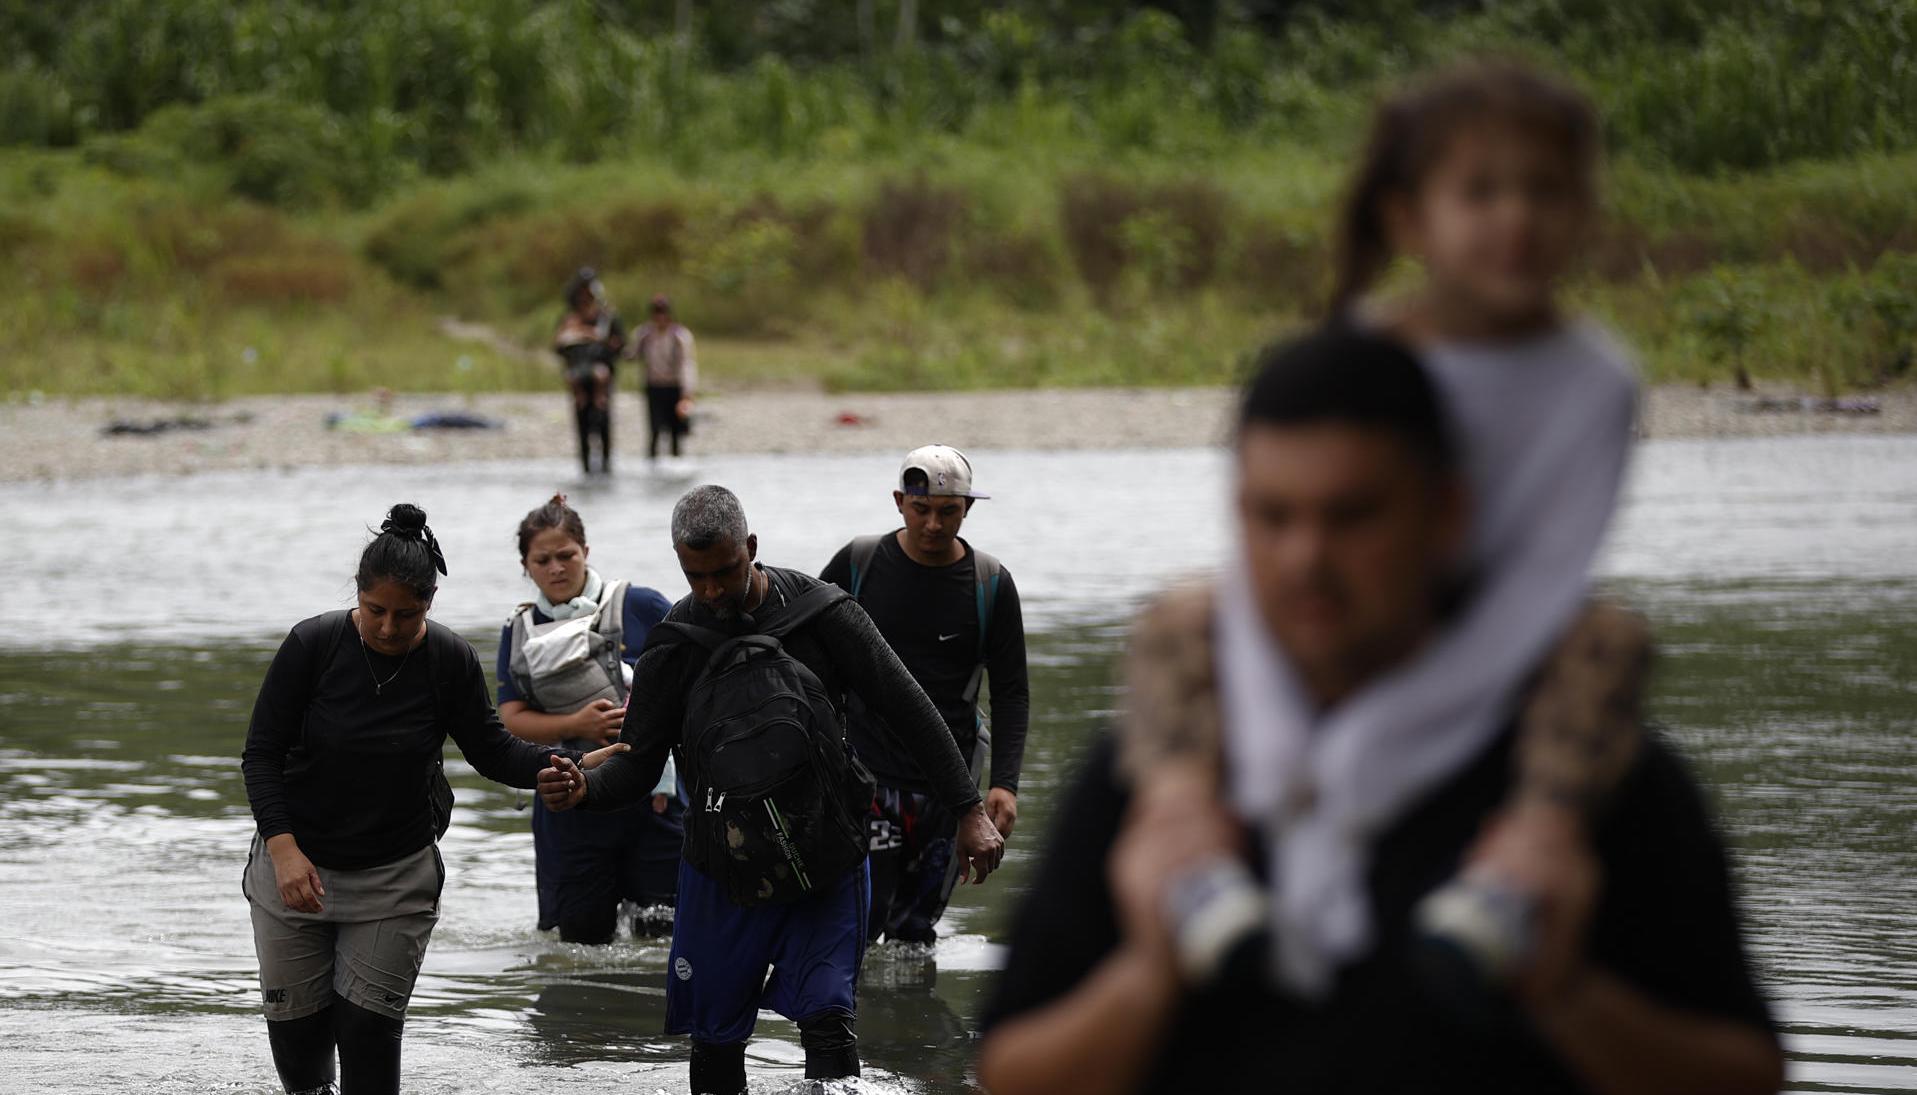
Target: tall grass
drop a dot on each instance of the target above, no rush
(217, 197)
(337, 101)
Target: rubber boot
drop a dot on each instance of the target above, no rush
(831, 1048)
(303, 1052)
(582, 421)
(368, 1050)
(718, 1069)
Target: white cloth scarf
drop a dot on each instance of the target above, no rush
(585, 604)
(1545, 427)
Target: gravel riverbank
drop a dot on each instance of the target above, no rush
(61, 439)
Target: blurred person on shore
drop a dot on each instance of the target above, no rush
(342, 769)
(589, 340)
(565, 673)
(664, 346)
(952, 614)
(746, 682)
(1356, 513)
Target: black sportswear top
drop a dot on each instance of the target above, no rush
(348, 770)
(929, 615)
(840, 646)
(1665, 921)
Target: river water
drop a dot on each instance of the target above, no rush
(139, 615)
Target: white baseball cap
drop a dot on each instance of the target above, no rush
(947, 472)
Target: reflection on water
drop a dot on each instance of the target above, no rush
(1779, 574)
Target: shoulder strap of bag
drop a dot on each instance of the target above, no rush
(610, 623)
(612, 608)
(864, 549)
(804, 608)
(520, 626)
(325, 653)
(987, 570)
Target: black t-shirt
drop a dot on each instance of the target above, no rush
(347, 769)
(930, 616)
(1665, 922)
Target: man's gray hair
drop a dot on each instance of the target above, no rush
(707, 515)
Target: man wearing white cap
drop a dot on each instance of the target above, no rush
(952, 614)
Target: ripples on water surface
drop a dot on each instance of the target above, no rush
(140, 613)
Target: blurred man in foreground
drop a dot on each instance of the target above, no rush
(1138, 963)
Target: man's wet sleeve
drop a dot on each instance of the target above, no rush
(654, 709)
(1011, 689)
(869, 667)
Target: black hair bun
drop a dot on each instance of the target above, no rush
(405, 518)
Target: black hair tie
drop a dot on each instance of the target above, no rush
(422, 534)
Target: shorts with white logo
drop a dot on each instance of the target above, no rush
(364, 946)
(716, 981)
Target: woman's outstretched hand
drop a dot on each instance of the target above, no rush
(599, 756)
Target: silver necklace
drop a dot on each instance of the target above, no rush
(379, 685)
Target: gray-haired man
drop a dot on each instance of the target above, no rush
(746, 674)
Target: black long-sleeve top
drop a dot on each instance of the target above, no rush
(1665, 921)
(348, 768)
(840, 646)
(929, 615)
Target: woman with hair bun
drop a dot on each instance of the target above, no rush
(564, 677)
(342, 767)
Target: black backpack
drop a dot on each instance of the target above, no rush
(778, 800)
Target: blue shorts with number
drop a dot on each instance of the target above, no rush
(716, 981)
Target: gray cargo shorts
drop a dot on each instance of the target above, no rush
(365, 946)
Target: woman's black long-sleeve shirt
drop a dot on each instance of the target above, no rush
(349, 770)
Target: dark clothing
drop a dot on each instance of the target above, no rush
(662, 412)
(584, 864)
(593, 424)
(929, 615)
(840, 647)
(1665, 921)
(587, 863)
(602, 350)
(721, 953)
(367, 1043)
(349, 770)
(910, 846)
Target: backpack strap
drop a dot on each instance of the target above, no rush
(988, 572)
(319, 663)
(864, 548)
(521, 624)
(610, 623)
(805, 608)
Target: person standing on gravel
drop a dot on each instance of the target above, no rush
(665, 347)
(589, 340)
(745, 681)
(952, 614)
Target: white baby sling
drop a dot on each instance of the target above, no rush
(561, 666)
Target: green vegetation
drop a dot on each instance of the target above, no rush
(210, 198)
